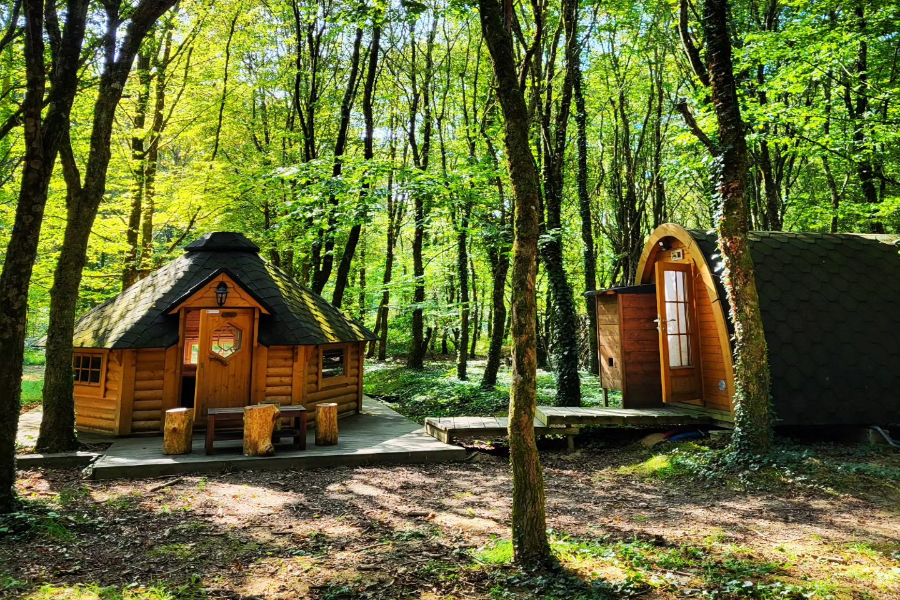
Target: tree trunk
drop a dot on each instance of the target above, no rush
(83, 201)
(584, 205)
(326, 424)
(416, 358)
(340, 282)
(861, 145)
(476, 306)
(499, 268)
(395, 210)
(753, 431)
(42, 141)
(339, 146)
(129, 272)
(179, 431)
(462, 272)
(259, 423)
(529, 522)
(565, 329)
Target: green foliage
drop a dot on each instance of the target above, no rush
(433, 392)
(436, 392)
(814, 469)
(34, 356)
(708, 571)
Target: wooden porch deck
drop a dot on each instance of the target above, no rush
(378, 435)
(553, 420)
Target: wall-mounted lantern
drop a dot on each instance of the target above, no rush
(221, 293)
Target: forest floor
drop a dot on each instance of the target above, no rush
(435, 391)
(821, 521)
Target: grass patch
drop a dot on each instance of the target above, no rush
(496, 552)
(658, 466)
(190, 591)
(35, 356)
(32, 392)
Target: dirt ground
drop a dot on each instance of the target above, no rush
(622, 525)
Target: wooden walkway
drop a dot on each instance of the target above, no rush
(378, 435)
(446, 429)
(552, 420)
(559, 415)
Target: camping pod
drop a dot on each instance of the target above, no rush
(830, 312)
(217, 327)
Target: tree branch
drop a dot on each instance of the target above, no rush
(693, 54)
(683, 109)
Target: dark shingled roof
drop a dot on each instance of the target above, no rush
(137, 318)
(831, 311)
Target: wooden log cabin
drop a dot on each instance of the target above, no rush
(830, 312)
(217, 327)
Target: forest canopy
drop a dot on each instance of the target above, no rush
(360, 144)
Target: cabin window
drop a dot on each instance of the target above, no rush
(678, 326)
(226, 340)
(333, 363)
(86, 368)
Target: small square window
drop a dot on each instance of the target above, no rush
(87, 368)
(333, 363)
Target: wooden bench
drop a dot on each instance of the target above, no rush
(228, 424)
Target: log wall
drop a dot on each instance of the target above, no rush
(149, 383)
(344, 391)
(139, 385)
(96, 407)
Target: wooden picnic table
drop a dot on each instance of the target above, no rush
(228, 424)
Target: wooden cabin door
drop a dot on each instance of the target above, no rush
(679, 360)
(225, 357)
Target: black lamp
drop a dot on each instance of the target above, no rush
(221, 293)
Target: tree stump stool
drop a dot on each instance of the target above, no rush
(178, 431)
(326, 425)
(259, 422)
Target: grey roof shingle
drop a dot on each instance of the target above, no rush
(830, 305)
(137, 318)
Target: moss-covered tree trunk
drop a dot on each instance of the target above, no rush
(42, 139)
(751, 372)
(83, 201)
(529, 523)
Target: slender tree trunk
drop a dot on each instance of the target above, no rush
(462, 272)
(863, 146)
(416, 358)
(394, 209)
(529, 522)
(83, 201)
(152, 161)
(499, 267)
(138, 151)
(751, 403)
(42, 143)
(340, 145)
(826, 161)
(340, 282)
(587, 221)
(476, 306)
(565, 329)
